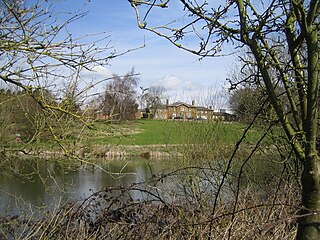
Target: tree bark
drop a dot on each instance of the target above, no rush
(309, 223)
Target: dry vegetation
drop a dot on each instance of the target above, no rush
(186, 213)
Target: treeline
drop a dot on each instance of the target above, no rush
(41, 112)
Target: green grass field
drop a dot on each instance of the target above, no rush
(146, 132)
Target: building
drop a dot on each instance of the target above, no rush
(184, 111)
(181, 110)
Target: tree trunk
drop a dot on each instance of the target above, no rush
(309, 223)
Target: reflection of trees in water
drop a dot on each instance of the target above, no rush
(39, 182)
(114, 212)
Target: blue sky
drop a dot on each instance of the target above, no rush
(160, 64)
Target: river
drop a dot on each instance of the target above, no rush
(28, 184)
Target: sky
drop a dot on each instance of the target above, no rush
(159, 63)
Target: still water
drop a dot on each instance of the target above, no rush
(35, 183)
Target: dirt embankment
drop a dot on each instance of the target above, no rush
(108, 151)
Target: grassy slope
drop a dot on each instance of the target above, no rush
(146, 132)
(149, 132)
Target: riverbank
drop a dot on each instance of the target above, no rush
(273, 217)
(156, 151)
(108, 152)
(143, 138)
(131, 197)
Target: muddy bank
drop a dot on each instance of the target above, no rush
(193, 151)
(108, 151)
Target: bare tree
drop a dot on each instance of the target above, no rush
(152, 98)
(270, 29)
(119, 99)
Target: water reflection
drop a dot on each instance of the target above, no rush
(43, 183)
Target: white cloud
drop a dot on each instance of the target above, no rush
(170, 82)
(97, 73)
(174, 83)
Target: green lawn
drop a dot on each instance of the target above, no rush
(146, 132)
(150, 132)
